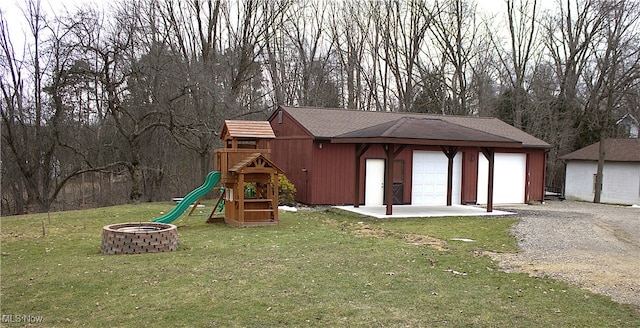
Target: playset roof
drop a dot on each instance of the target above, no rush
(247, 129)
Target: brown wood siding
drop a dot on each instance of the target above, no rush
(288, 128)
(333, 173)
(293, 156)
(292, 151)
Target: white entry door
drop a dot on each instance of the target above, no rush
(374, 182)
(429, 178)
(509, 177)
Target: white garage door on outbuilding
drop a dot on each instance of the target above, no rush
(509, 178)
(429, 178)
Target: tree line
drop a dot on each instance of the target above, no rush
(126, 102)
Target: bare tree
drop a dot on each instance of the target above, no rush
(119, 71)
(485, 78)
(614, 70)
(541, 99)
(38, 129)
(276, 63)
(299, 56)
(405, 26)
(17, 131)
(521, 19)
(454, 32)
(192, 30)
(313, 51)
(567, 39)
(376, 74)
(142, 90)
(28, 126)
(349, 28)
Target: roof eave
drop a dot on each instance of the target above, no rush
(545, 147)
(429, 142)
(607, 160)
(317, 138)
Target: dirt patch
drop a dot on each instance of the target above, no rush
(364, 230)
(594, 246)
(415, 239)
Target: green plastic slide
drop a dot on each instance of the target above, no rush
(211, 181)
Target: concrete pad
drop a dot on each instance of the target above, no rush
(411, 211)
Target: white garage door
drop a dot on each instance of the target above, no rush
(508, 179)
(429, 178)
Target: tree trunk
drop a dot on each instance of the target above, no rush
(204, 164)
(136, 181)
(598, 185)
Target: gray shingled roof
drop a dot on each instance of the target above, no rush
(327, 123)
(616, 150)
(425, 131)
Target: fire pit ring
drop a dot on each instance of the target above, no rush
(137, 238)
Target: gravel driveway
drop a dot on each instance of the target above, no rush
(594, 246)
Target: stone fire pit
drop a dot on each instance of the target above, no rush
(136, 238)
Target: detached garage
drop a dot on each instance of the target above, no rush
(339, 157)
(620, 176)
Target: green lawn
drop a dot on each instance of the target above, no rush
(317, 268)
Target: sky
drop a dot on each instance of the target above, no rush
(13, 12)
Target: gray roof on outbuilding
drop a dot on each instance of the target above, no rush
(330, 123)
(616, 150)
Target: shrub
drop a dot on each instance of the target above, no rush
(286, 191)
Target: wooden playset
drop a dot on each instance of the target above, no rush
(249, 177)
